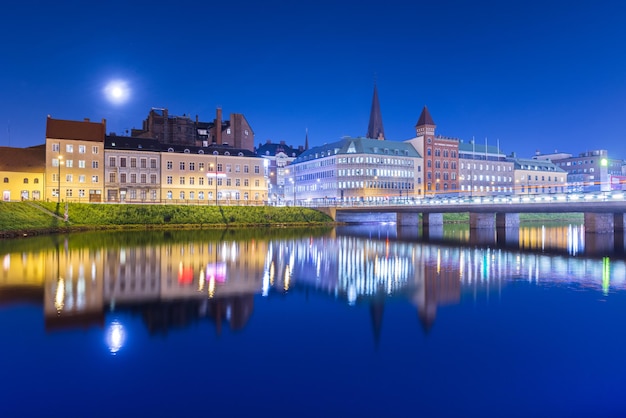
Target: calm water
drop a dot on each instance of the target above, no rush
(355, 321)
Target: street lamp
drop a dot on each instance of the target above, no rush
(60, 162)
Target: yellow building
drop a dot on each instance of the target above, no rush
(202, 174)
(538, 177)
(74, 160)
(22, 173)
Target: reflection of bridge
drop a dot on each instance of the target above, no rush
(604, 213)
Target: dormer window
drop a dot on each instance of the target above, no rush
(170, 150)
(186, 151)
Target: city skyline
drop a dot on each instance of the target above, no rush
(532, 76)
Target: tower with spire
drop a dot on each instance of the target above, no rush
(425, 125)
(375, 128)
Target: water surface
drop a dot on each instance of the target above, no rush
(359, 321)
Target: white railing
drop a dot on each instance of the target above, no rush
(614, 196)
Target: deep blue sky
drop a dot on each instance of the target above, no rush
(532, 74)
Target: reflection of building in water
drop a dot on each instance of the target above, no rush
(73, 294)
(213, 269)
(218, 279)
(440, 285)
(160, 317)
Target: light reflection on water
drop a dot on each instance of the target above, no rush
(170, 281)
(350, 263)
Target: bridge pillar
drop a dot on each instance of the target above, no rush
(482, 236)
(507, 237)
(408, 219)
(481, 220)
(507, 220)
(599, 244)
(332, 212)
(599, 223)
(619, 221)
(432, 219)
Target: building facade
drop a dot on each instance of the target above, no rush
(357, 170)
(22, 172)
(132, 169)
(441, 157)
(538, 177)
(280, 176)
(182, 130)
(589, 171)
(74, 160)
(484, 171)
(212, 175)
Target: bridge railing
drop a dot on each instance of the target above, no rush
(513, 199)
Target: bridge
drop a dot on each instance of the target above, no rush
(603, 212)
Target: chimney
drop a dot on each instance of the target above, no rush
(268, 141)
(282, 142)
(218, 126)
(86, 119)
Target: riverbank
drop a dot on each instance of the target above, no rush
(19, 219)
(36, 218)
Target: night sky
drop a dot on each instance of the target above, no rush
(535, 75)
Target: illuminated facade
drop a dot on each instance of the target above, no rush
(536, 176)
(440, 154)
(357, 170)
(22, 173)
(214, 174)
(588, 171)
(132, 169)
(74, 160)
(280, 176)
(484, 171)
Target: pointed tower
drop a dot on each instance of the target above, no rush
(425, 125)
(306, 140)
(375, 128)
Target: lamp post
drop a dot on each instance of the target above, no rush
(60, 161)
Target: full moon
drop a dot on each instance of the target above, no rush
(117, 92)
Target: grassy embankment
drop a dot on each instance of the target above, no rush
(18, 218)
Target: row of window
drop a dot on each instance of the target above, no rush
(446, 153)
(446, 175)
(70, 163)
(487, 167)
(219, 181)
(220, 167)
(209, 195)
(143, 162)
(476, 177)
(69, 148)
(446, 164)
(25, 181)
(69, 178)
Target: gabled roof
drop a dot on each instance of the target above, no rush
(425, 118)
(360, 145)
(26, 160)
(375, 128)
(76, 130)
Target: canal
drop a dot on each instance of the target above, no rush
(368, 320)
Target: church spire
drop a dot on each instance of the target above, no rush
(375, 128)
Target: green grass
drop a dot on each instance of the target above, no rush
(22, 216)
